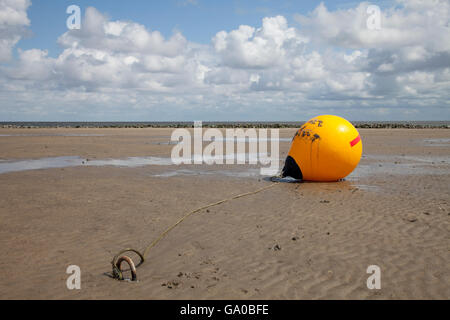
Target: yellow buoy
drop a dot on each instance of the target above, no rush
(326, 148)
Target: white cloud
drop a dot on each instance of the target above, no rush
(113, 54)
(13, 20)
(415, 22)
(265, 47)
(120, 36)
(329, 63)
(414, 37)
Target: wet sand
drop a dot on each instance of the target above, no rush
(293, 241)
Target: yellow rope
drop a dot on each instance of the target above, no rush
(117, 273)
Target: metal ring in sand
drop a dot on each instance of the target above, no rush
(117, 262)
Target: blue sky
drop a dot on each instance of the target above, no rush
(224, 60)
(198, 20)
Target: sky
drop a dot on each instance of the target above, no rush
(236, 60)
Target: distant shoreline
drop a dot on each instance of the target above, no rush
(212, 124)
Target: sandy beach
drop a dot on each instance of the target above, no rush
(293, 241)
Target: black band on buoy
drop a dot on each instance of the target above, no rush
(291, 169)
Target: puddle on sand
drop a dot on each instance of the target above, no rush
(411, 159)
(131, 162)
(280, 179)
(64, 162)
(239, 171)
(44, 163)
(246, 173)
(442, 142)
(377, 165)
(400, 165)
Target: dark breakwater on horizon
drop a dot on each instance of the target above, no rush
(221, 124)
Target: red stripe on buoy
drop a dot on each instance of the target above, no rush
(353, 142)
